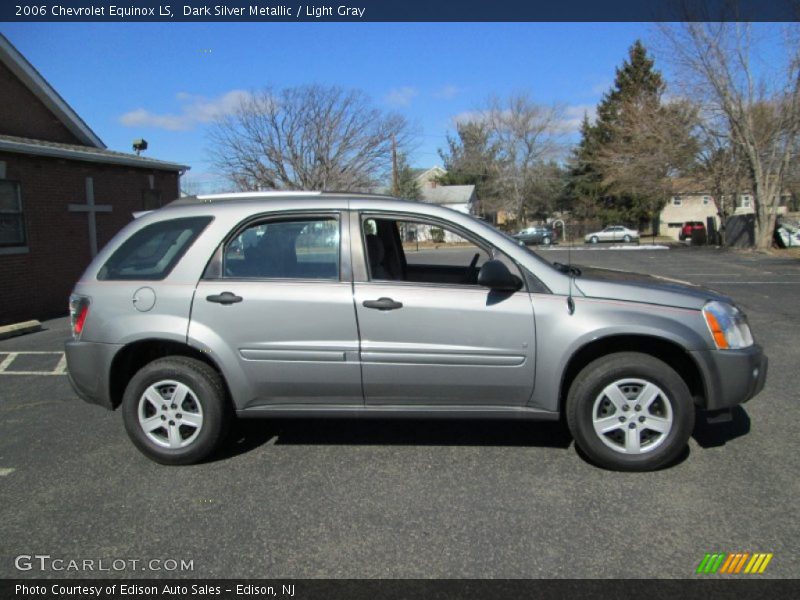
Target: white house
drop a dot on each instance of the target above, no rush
(456, 197)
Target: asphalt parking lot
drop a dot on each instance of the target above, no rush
(380, 499)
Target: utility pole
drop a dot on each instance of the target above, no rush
(395, 182)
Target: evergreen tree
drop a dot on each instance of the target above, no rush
(471, 158)
(637, 86)
(407, 185)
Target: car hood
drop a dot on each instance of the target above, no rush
(638, 287)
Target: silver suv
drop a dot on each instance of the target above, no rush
(339, 305)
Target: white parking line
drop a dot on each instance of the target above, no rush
(60, 368)
(7, 361)
(5, 471)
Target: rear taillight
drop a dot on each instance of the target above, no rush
(78, 311)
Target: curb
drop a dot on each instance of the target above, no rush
(7, 331)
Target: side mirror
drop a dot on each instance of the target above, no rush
(494, 274)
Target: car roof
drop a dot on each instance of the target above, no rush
(244, 197)
(246, 202)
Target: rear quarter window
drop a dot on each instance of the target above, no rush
(152, 252)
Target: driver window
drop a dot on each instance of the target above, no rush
(416, 251)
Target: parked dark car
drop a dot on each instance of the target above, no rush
(689, 228)
(540, 234)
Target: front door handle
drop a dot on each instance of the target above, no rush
(383, 304)
(224, 298)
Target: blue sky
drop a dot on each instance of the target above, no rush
(164, 81)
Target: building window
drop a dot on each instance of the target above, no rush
(676, 201)
(12, 222)
(151, 199)
(744, 201)
(706, 200)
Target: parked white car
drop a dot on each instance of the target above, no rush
(789, 235)
(612, 233)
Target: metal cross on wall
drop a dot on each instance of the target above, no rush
(90, 208)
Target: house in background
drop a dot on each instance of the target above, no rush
(63, 194)
(456, 197)
(691, 203)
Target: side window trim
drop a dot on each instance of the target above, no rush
(214, 270)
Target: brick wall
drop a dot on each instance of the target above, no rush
(22, 114)
(37, 284)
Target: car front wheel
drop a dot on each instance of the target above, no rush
(594, 239)
(546, 241)
(626, 239)
(175, 410)
(630, 412)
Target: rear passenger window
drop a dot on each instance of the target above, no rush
(302, 248)
(151, 253)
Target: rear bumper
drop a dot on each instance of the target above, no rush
(732, 377)
(88, 369)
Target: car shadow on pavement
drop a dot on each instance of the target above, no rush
(711, 435)
(248, 434)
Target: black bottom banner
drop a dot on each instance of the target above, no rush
(390, 589)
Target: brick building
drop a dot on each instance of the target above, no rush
(63, 194)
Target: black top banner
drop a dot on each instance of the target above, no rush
(399, 10)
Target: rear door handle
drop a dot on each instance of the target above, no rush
(383, 304)
(224, 298)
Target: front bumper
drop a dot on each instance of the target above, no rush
(731, 377)
(88, 369)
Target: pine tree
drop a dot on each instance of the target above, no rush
(636, 84)
(471, 159)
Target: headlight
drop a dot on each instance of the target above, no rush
(728, 326)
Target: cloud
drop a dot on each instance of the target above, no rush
(193, 111)
(401, 96)
(573, 117)
(447, 92)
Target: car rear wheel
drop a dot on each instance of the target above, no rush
(630, 412)
(175, 410)
(546, 241)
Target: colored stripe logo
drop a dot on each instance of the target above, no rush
(734, 563)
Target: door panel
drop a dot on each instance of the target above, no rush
(292, 341)
(446, 345)
(275, 314)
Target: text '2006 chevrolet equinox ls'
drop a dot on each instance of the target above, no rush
(309, 304)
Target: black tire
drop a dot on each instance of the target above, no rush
(594, 239)
(205, 388)
(546, 241)
(626, 239)
(587, 400)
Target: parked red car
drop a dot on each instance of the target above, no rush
(689, 227)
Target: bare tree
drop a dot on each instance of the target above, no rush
(758, 113)
(306, 138)
(721, 171)
(650, 145)
(527, 135)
